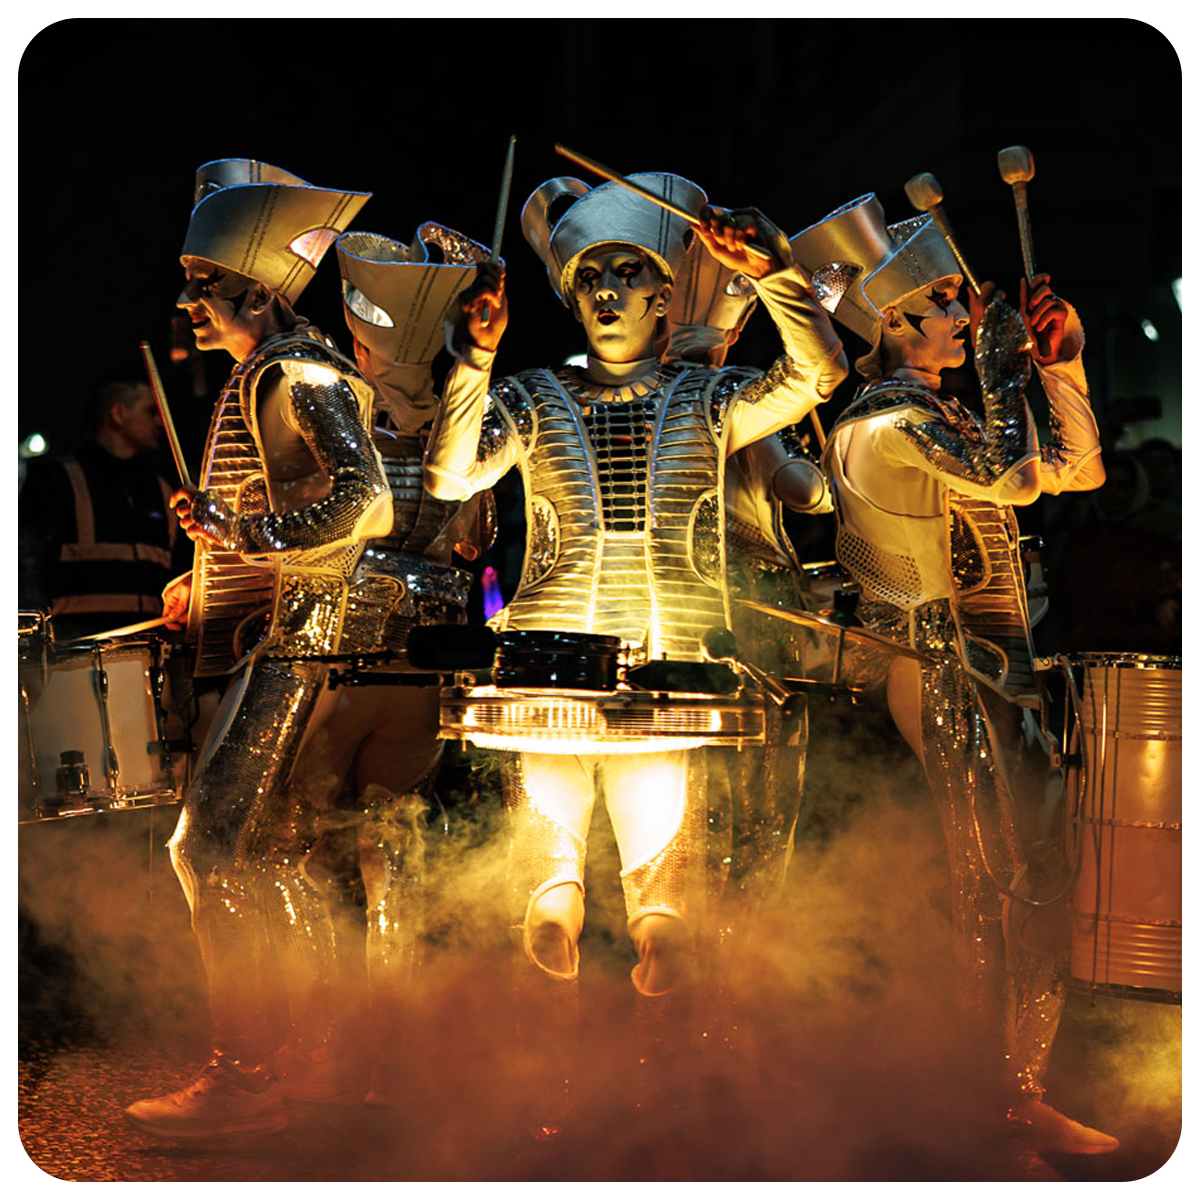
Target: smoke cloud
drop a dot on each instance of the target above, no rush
(819, 1041)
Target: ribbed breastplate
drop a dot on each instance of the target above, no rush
(621, 436)
(226, 586)
(623, 479)
(989, 581)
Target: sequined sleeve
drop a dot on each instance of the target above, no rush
(326, 414)
(985, 459)
(1071, 453)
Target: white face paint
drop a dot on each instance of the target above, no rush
(213, 298)
(619, 299)
(933, 329)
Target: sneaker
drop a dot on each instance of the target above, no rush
(1050, 1132)
(223, 1101)
(321, 1078)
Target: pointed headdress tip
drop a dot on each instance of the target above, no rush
(396, 295)
(266, 223)
(860, 266)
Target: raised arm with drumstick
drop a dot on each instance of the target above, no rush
(608, 554)
(925, 489)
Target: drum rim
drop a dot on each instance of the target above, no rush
(566, 638)
(1127, 659)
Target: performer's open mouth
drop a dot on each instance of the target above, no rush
(199, 319)
(607, 317)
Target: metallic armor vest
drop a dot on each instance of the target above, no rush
(417, 552)
(623, 507)
(990, 606)
(234, 592)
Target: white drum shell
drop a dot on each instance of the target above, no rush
(67, 713)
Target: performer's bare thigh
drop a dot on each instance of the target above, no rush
(646, 795)
(562, 787)
(904, 702)
(386, 735)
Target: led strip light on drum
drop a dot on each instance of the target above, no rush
(577, 722)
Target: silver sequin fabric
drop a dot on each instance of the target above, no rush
(1011, 987)
(984, 451)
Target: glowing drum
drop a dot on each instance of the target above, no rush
(571, 693)
(1126, 909)
(92, 730)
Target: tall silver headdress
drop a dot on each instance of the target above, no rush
(565, 218)
(265, 223)
(396, 296)
(707, 302)
(860, 265)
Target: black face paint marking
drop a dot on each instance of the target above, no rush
(649, 302)
(915, 322)
(940, 300)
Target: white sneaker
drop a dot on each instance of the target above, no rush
(222, 1101)
(1050, 1132)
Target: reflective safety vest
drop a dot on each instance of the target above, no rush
(119, 577)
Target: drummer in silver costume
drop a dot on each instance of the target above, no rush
(923, 490)
(379, 743)
(292, 488)
(754, 793)
(623, 464)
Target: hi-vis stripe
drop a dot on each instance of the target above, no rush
(85, 548)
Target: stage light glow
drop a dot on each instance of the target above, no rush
(34, 445)
(1149, 329)
(493, 598)
(575, 360)
(1177, 289)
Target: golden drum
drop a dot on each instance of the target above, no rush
(1127, 904)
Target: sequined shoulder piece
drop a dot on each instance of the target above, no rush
(888, 395)
(305, 344)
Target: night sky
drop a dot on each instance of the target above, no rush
(794, 116)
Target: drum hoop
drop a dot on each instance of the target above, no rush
(1126, 660)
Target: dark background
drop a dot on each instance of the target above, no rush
(794, 116)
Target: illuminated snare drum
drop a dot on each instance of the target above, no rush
(571, 693)
(93, 733)
(1126, 908)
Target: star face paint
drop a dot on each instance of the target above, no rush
(213, 299)
(937, 327)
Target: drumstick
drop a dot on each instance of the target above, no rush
(1016, 169)
(501, 213)
(502, 204)
(160, 398)
(925, 195)
(608, 173)
(818, 428)
(123, 630)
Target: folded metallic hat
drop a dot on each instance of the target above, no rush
(707, 293)
(266, 223)
(860, 265)
(565, 218)
(396, 296)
